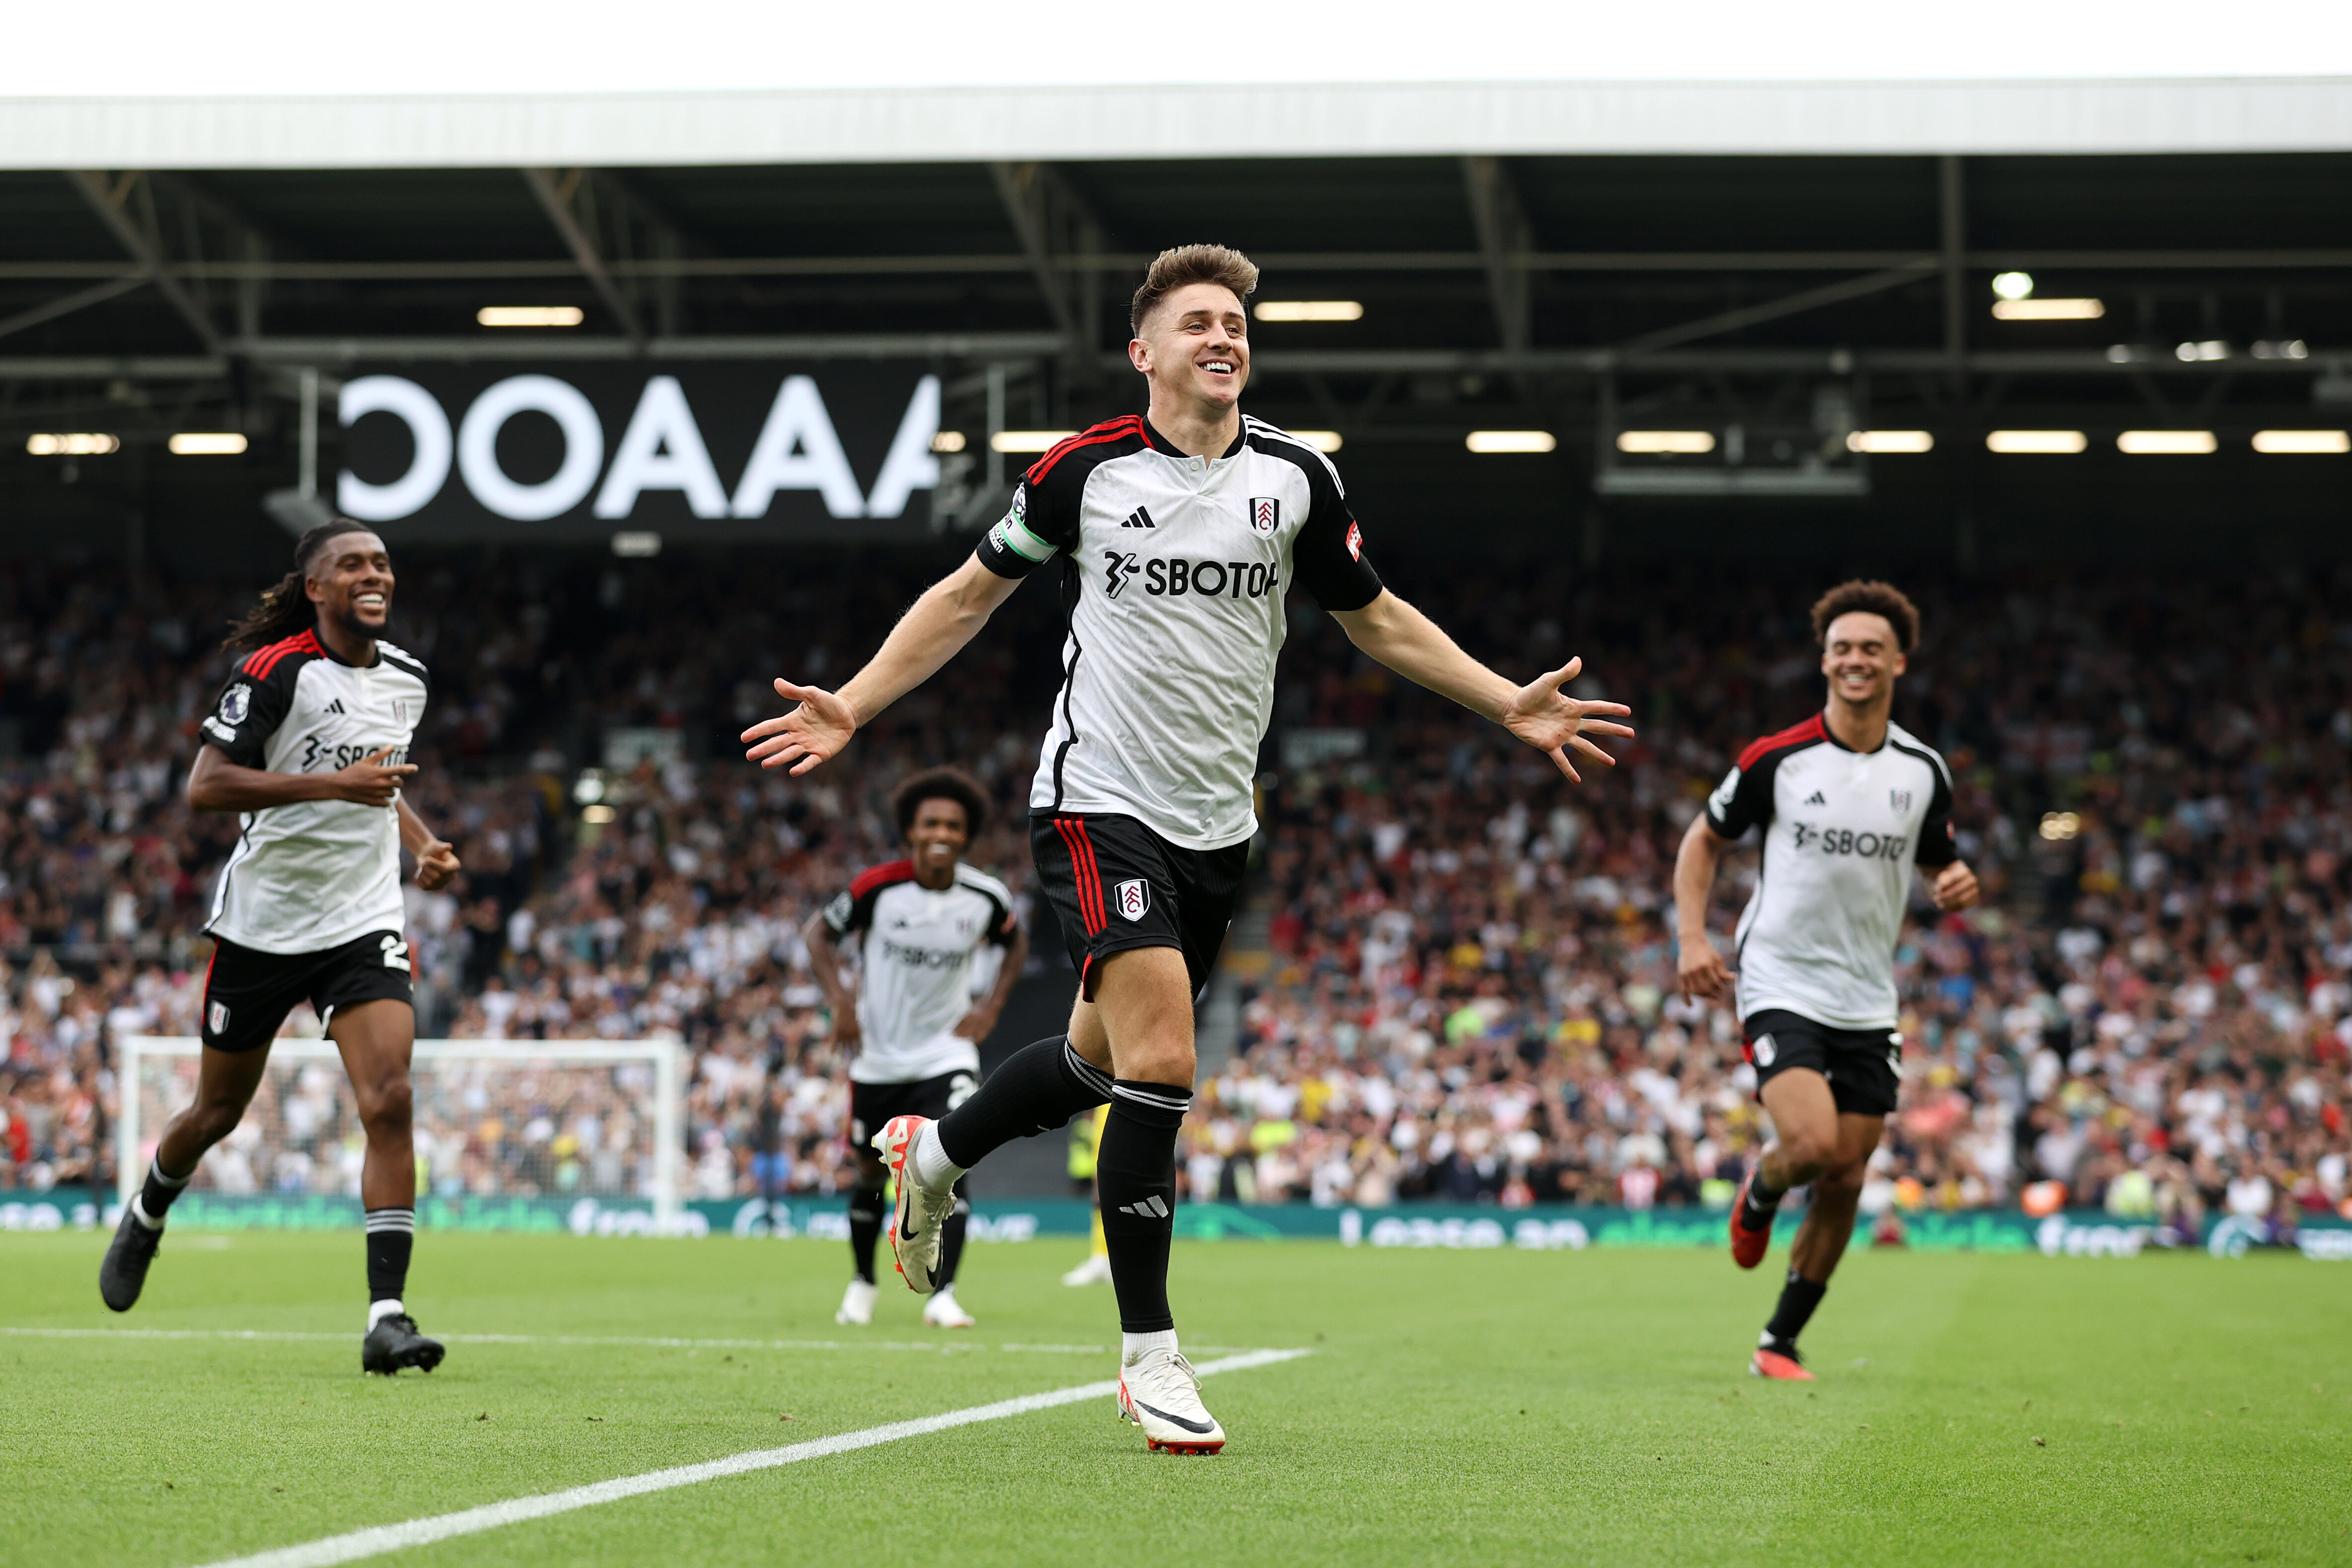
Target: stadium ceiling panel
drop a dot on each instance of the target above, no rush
(484, 83)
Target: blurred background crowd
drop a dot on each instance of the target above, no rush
(1455, 976)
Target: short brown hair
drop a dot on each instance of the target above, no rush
(1868, 596)
(1173, 268)
(941, 784)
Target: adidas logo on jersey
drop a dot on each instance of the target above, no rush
(334, 707)
(1152, 1208)
(1140, 518)
(1815, 799)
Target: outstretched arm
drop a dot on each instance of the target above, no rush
(945, 618)
(1540, 713)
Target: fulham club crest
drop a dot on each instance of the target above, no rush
(1134, 898)
(1900, 799)
(1266, 516)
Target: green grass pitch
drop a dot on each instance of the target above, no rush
(1474, 1407)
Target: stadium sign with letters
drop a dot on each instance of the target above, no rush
(580, 452)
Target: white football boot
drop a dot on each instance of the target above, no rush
(1159, 1391)
(944, 1311)
(1095, 1270)
(856, 1305)
(919, 1215)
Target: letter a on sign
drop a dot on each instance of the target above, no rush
(1134, 898)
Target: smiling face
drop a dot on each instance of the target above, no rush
(350, 582)
(1195, 348)
(1861, 657)
(937, 836)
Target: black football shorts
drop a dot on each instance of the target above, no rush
(1863, 1065)
(872, 1105)
(248, 993)
(1115, 885)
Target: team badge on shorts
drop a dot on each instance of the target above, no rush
(218, 1016)
(1764, 1050)
(1265, 515)
(1134, 898)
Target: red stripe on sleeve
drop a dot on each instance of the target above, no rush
(1110, 430)
(1795, 735)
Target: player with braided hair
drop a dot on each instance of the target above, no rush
(308, 744)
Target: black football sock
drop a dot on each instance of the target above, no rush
(390, 1237)
(1035, 1090)
(865, 1228)
(1761, 1203)
(951, 1236)
(1135, 1173)
(1799, 1296)
(160, 1193)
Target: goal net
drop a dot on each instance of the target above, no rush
(494, 1119)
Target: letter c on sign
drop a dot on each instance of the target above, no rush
(584, 448)
(428, 426)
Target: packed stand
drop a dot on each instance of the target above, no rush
(1470, 992)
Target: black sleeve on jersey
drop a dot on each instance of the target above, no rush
(847, 912)
(250, 711)
(1744, 799)
(1042, 523)
(1328, 556)
(1938, 844)
(1004, 927)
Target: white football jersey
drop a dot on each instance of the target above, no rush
(1173, 582)
(920, 956)
(313, 874)
(1842, 831)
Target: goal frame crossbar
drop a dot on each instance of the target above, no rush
(667, 1058)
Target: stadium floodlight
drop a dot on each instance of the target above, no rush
(599, 815)
(577, 1118)
(1322, 440)
(82, 444)
(2283, 443)
(1686, 441)
(2166, 442)
(1495, 441)
(1308, 310)
(207, 443)
(2060, 826)
(531, 315)
(2210, 349)
(2048, 310)
(2013, 286)
(2060, 442)
(947, 441)
(1028, 440)
(1877, 441)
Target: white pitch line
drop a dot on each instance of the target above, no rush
(940, 1347)
(382, 1538)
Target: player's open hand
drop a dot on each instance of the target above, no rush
(436, 863)
(369, 781)
(1550, 720)
(1699, 971)
(975, 1026)
(813, 733)
(1954, 886)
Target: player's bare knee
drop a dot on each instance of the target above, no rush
(1806, 1155)
(1841, 1186)
(1165, 1058)
(212, 1120)
(387, 1106)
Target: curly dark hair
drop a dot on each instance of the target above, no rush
(1869, 597)
(941, 784)
(285, 609)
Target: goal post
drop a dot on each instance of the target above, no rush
(552, 1119)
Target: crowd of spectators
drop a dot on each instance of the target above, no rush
(1457, 979)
